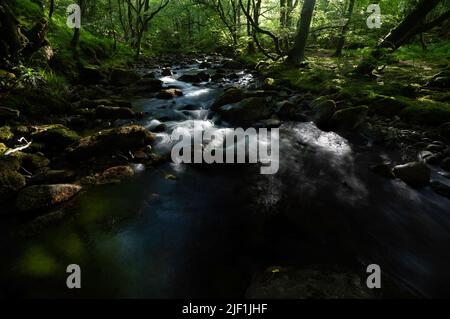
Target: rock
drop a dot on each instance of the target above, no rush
(39, 197)
(383, 170)
(5, 134)
(10, 182)
(3, 149)
(144, 86)
(429, 157)
(190, 78)
(232, 65)
(246, 111)
(204, 76)
(441, 188)
(232, 95)
(50, 176)
(416, 174)
(323, 112)
(7, 113)
(112, 175)
(31, 162)
(435, 147)
(120, 77)
(386, 106)
(446, 164)
(308, 283)
(287, 110)
(204, 65)
(55, 137)
(90, 75)
(114, 112)
(110, 141)
(169, 94)
(166, 72)
(350, 118)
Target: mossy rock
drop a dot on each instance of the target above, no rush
(31, 162)
(7, 113)
(39, 197)
(427, 113)
(9, 162)
(232, 95)
(56, 137)
(10, 182)
(111, 141)
(3, 148)
(5, 134)
(350, 118)
(386, 105)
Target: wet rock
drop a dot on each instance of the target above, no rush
(114, 112)
(39, 197)
(287, 110)
(7, 113)
(232, 65)
(169, 94)
(232, 95)
(435, 147)
(112, 175)
(204, 76)
(204, 65)
(246, 111)
(55, 137)
(416, 174)
(350, 118)
(166, 72)
(10, 182)
(308, 283)
(429, 157)
(110, 141)
(190, 78)
(446, 164)
(120, 77)
(323, 112)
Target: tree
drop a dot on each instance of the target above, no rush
(297, 53)
(413, 24)
(341, 40)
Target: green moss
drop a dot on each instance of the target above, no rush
(3, 148)
(426, 112)
(6, 134)
(37, 262)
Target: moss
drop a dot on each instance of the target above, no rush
(56, 137)
(10, 182)
(31, 162)
(426, 112)
(6, 134)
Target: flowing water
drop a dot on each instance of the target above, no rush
(207, 232)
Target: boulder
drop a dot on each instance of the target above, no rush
(3, 148)
(308, 283)
(10, 182)
(287, 110)
(323, 112)
(246, 111)
(112, 175)
(383, 170)
(55, 137)
(6, 134)
(204, 65)
(38, 197)
(110, 141)
(167, 94)
(190, 78)
(204, 76)
(120, 77)
(386, 106)
(416, 174)
(232, 65)
(31, 162)
(350, 118)
(166, 72)
(144, 86)
(90, 75)
(114, 112)
(232, 95)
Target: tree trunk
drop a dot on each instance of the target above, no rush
(297, 54)
(51, 9)
(11, 40)
(341, 40)
(412, 25)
